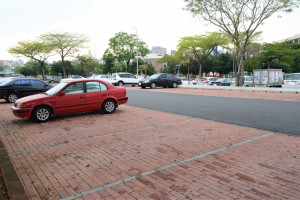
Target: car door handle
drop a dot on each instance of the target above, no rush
(81, 97)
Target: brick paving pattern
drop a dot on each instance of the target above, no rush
(143, 154)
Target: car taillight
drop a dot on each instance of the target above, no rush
(282, 82)
(114, 79)
(207, 81)
(221, 83)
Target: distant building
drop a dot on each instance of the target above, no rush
(156, 53)
(294, 39)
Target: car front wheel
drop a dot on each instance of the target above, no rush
(174, 85)
(121, 84)
(42, 114)
(109, 106)
(11, 98)
(153, 85)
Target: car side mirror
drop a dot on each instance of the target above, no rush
(62, 93)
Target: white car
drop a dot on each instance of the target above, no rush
(292, 79)
(71, 78)
(124, 78)
(102, 77)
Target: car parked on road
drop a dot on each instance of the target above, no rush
(248, 81)
(292, 79)
(209, 80)
(221, 82)
(71, 78)
(161, 80)
(199, 81)
(102, 77)
(124, 78)
(13, 88)
(71, 97)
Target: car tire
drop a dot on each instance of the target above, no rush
(133, 85)
(42, 114)
(11, 97)
(174, 85)
(153, 85)
(120, 83)
(109, 106)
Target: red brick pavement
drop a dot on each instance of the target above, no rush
(76, 155)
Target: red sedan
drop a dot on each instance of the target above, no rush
(70, 97)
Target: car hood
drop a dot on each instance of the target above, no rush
(35, 97)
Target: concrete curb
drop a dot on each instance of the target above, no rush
(14, 186)
(246, 89)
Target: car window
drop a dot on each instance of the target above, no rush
(249, 78)
(103, 87)
(169, 76)
(93, 86)
(37, 83)
(131, 76)
(124, 75)
(113, 76)
(22, 82)
(162, 76)
(74, 88)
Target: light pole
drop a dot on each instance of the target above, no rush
(137, 54)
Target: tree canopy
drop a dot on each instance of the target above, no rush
(35, 50)
(239, 19)
(123, 47)
(201, 46)
(65, 44)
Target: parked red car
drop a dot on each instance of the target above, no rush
(70, 97)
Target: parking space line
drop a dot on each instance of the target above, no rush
(162, 168)
(99, 136)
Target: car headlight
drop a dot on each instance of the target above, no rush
(21, 105)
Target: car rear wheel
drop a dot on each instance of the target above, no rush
(153, 85)
(174, 85)
(120, 83)
(109, 106)
(42, 114)
(11, 98)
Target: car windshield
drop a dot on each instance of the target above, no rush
(56, 89)
(292, 77)
(154, 76)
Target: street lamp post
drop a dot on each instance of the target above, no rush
(137, 54)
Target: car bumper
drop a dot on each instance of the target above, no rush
(21, 112)
(122, 100)
(148, 84)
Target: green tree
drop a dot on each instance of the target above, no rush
(109, 62)
(31, 68)
(239, 19)
(88, 63)
(123, 47)
(57, 68)
(284, 52)
(172, 61)
(36, 50)
(201, 46)
(65, 44)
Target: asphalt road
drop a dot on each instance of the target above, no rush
(272, 115)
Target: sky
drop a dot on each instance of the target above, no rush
(157, 22)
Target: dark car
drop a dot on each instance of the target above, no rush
(221, 82)
(71, 96)
(161, 80)
(13, 88)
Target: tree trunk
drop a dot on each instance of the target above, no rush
(63, 66)
(200, 70)
(43, 70)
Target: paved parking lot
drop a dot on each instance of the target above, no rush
(143, 154)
